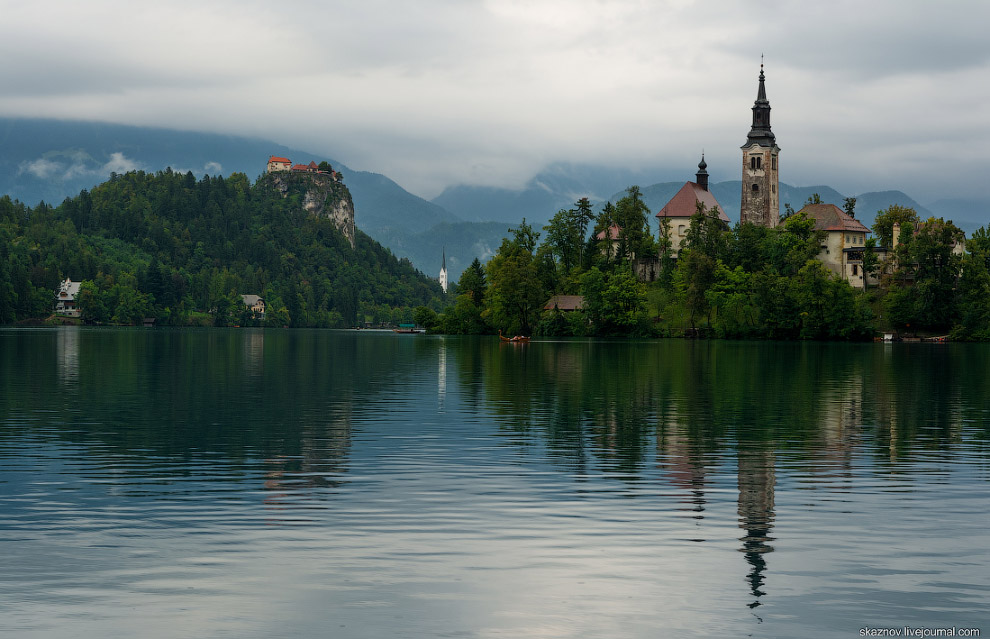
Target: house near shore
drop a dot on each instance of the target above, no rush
(256, 304)
(66, 299)
(565, 303)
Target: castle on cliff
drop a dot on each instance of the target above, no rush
(277, 164)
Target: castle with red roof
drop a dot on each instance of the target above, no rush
(276, 164)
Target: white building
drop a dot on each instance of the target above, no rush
(66, 297)
(443, 272)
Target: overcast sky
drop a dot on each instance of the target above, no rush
(866, 95)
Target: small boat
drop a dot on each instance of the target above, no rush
(518, 339)
(408, 329)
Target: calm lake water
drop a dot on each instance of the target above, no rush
(244, 483)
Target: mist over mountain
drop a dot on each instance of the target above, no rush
(557, 186)
(53, 159)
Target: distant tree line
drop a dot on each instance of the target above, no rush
(182, 250)
(745, 282)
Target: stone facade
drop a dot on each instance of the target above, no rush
(841, 250)
(760, 167)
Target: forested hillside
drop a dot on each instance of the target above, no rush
(166, 245)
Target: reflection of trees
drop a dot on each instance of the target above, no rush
(921, 396)
(810, 405)
(564, 393)
(162, 397)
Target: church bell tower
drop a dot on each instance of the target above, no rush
(760, 184)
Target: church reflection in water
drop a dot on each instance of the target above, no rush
(756, 479)
(684, 464)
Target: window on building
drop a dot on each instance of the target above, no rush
(756, 188)
(773, 188)
(773, 163)
(855, 269)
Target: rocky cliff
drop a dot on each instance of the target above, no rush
(322, 194)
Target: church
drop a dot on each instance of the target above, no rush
(760, 203)
(760, 154)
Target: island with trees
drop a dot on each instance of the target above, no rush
(748, 281)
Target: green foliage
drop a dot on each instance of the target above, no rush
(614, 302)
(928, 263)
(632, 217)
(463, 318)
(168, 246)
(514, 293)
(750, 282)
(885, 220)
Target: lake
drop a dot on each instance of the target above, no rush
(358, 484)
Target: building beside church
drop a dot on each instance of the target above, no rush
(675, 216)
(845, 238)
(760, 177)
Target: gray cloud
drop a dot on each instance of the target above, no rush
(886, 94)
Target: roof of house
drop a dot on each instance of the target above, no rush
(251, 300)
(68, 289)
(564, 303)
(685, 203)
(829, 217)
(275, 158)
(300, 167)
(313, 165)
(613, 233)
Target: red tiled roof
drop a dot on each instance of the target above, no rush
(685, 203)
(613, 233)
(829, 217)
(300, 167)
(313, 165)
(275, 158)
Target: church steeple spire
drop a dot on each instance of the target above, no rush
(760, 197)
(701, 177)
(760, 132)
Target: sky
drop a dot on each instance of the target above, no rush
(866, 96)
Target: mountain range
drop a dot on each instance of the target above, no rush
(53, 159)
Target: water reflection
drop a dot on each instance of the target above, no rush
(254, 351)
(441, 374)
(67, 349)
(756, 480)
(722, 478)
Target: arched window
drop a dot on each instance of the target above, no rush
(756, 188)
